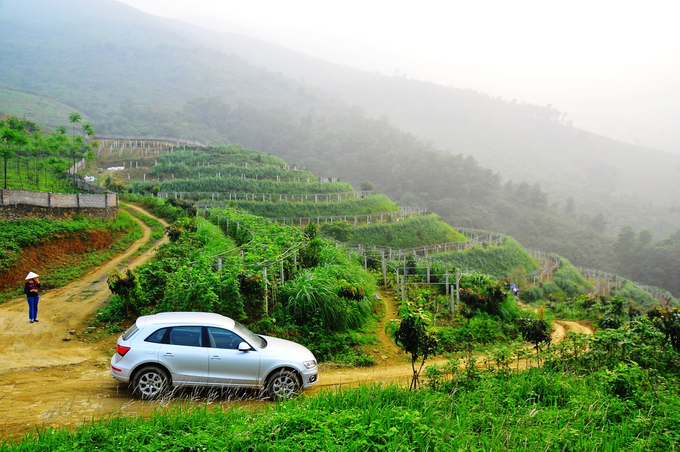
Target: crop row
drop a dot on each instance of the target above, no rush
(238, 184)
(207, 170)
(353, 206)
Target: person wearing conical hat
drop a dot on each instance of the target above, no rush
(31, 289)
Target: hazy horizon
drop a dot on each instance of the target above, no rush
(613, 68)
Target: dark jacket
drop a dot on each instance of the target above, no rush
(30, 286)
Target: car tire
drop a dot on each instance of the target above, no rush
(150, 383)
(283, 384)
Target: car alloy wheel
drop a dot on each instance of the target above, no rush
(150, 382)
(283, 385)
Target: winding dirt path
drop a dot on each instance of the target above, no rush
(61, 311)
(45, 368)
(52, 382)
(563, 327)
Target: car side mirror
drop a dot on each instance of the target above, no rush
(244, 347)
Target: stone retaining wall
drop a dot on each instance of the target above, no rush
(23, 204)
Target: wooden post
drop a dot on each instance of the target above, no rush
(428, 267)
(403, 293)
(384, 269)
(458, 275)
(453, 310)
(266, 298)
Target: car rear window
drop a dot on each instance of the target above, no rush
(157, 336)
(130, 332)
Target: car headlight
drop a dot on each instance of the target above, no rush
(310, 364)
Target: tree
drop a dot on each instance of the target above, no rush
(598, 223)
(74, 118)
(622, 248)
(12, 135)
(535, 330)
(413, 335)
(6, 152)
(122, 284)
(366, 186)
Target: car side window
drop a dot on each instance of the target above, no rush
(221, 338)
(157, 336)
(186, 335)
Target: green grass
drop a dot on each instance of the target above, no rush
(359, 206)
(40, 109)
(157, 228)
(15, 235)
(528, 411)
(412, 232)
(497, 259)
(64, 274)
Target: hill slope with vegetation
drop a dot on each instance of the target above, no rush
(150, 79)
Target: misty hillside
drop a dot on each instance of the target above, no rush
(131, 73)
(521, 141)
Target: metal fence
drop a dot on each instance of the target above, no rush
(264, 197)
(131, 138)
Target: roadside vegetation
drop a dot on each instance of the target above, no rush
(86, 244)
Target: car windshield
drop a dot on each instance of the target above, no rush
(249, 336)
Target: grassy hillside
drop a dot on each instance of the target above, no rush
(40, 109)
(498, 259)
(59, 250)
(409, 233)
(366, 205)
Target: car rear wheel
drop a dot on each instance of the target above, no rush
(151, 382)
(283, 384)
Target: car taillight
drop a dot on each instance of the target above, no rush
(122, 350)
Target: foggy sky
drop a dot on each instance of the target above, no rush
(612, 66)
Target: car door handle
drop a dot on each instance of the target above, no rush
(169, 355)
(216, 357)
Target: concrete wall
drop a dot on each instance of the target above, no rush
(23, 204)
(35, 198)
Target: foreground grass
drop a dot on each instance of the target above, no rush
(533, 410)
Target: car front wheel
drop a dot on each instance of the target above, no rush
(283, 385)
(151, 382)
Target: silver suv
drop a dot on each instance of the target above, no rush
(201, 349)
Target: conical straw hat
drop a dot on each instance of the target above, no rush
(31, 275)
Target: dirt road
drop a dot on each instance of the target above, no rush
(45, 369)
(563, 327)
(47, 381)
